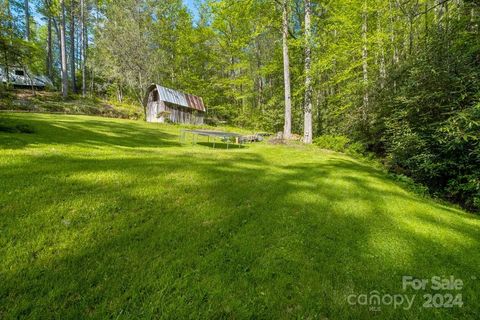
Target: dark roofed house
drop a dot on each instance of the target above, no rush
(164, 104)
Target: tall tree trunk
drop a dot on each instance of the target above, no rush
(63, 51)
(410, 34)
(447, 28)
(393, 19)
(7, 70)
(382, 67)
(287, 129)
(72, 46)
(473, 20)
(307, 124)
(10, 35)
(439, 10)
(27, 21)
(425, 16)
(365, 62)
(84, 40)
(49, 49)
(92, 68)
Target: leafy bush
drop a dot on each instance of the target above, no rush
(410, 184)
(356, 148)
(330, 142)
(340, 144)
(430, 124)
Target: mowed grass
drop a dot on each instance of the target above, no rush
(116, 219)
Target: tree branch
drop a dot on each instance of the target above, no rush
(431, 8)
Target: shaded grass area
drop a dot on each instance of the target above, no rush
(110, 218)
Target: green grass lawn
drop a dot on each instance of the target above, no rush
(116, 219)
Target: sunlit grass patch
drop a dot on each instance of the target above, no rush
(105, 217)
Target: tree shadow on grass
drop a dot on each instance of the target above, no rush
(198, 237)
(90, 133)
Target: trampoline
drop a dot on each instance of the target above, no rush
(224, 136)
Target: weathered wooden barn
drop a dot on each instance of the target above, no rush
(164, 105)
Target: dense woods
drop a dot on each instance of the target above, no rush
(400, 77)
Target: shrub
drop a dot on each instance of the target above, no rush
(356, 148)
(335, 143)
(340, 144)
(410, 184)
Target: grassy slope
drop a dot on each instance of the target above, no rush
(52, 102)
(108, 218)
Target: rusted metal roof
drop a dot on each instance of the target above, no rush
(179, 98)
(195, 102)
